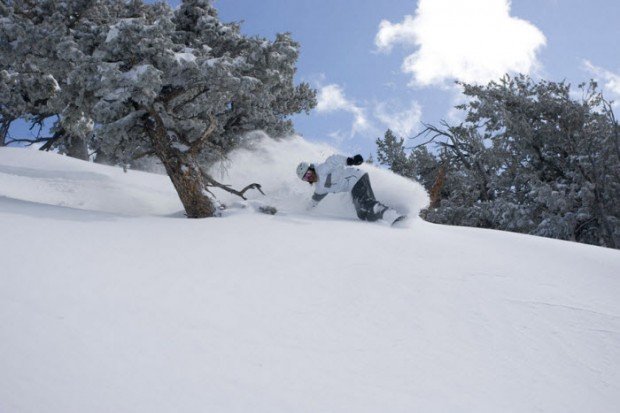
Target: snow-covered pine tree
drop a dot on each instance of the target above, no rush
(529, 158)
(391, 152)
(420, 165)
(26, 89)
(560, 158)
(41, 43)
(185, 87)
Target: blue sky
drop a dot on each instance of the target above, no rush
(380, 64)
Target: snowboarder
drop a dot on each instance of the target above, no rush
(336, 174)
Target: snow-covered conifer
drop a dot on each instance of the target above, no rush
(41, 45)
(528, 158)
(185, 87)
(131, 79)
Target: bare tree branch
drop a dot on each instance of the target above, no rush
(430, 130)
(209, 181)
(28, 141)
(201, 91)
(50, 142)
(197, 145)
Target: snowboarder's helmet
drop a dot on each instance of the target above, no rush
(302, 168)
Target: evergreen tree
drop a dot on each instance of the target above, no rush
(128, 80)
(41, 43)
(185, 87)
(528, 158)
(391, 152)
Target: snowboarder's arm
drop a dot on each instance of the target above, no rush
(336, 161)
(316, 198)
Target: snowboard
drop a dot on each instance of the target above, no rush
(399, 221)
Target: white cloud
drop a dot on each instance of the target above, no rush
(338, 136)
(331, 98)
(395, 33)
(611, 79)
(473, 41)
(403, 122)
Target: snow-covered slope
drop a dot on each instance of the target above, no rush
(111, 301)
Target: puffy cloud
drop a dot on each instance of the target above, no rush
(395, 33)
(403, 122)
(331, 98)
(473, 41)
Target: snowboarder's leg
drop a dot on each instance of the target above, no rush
(366, 206)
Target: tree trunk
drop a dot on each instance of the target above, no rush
(437, 186)
(76, 148)
(5, 124)
(187, 180)
(183, 171)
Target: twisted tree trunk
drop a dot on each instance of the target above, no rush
(187, 180)
(183, 171)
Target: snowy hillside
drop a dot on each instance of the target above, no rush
(111, 301)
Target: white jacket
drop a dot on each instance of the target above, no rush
(335, 176)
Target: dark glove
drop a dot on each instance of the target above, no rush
(356, 160)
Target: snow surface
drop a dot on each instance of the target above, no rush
(111, 301)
